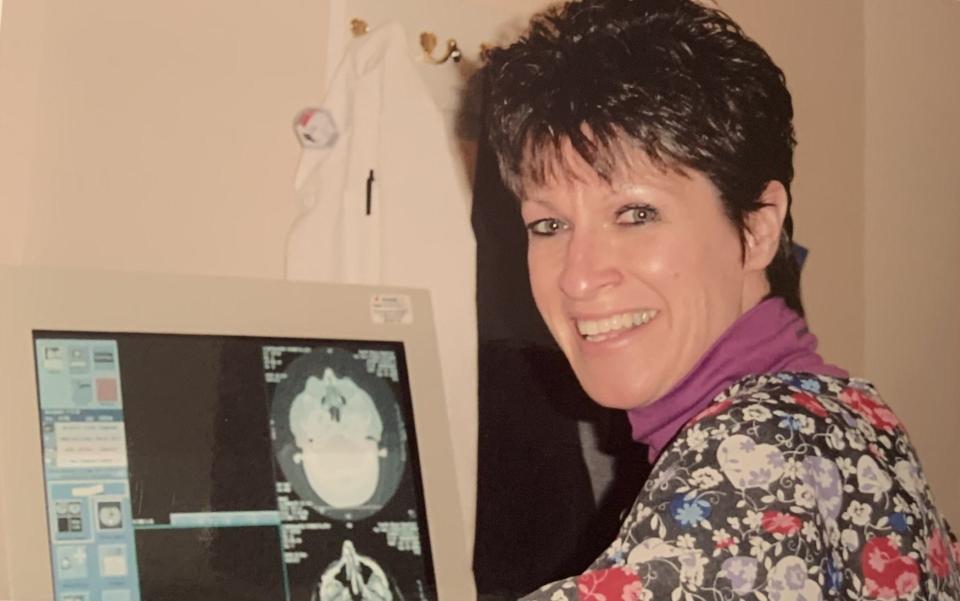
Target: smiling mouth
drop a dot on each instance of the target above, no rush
(596, 330)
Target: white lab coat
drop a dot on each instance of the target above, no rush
(418, 233)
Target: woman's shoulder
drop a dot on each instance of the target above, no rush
(787, 482)
(798, 419)
(805, 397)
(817, 459)
(835, 434)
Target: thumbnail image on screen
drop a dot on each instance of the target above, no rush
(215, 467)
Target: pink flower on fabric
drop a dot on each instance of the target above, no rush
(632, 592)
(781, 523)
(937, 559)
(888, 574)
(612, 584)
(809, 403)
(878, 414)
(907, 582)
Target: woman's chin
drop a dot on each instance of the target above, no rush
(613, 397)
(616, 382)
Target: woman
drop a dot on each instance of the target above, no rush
(651, 145)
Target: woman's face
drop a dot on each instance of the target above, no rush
(635, 278)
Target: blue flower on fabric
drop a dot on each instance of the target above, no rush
(899, 522)
(811, 385)
(790, 422)
(835, 574)
(689, 511)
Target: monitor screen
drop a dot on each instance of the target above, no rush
(188, 463)
(169, 458)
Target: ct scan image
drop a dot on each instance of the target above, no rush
(348, 480)
(355, 577)
(337, 431)
(339, 434)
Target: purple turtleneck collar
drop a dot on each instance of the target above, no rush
(768, 338)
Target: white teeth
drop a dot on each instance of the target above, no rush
(623, 321)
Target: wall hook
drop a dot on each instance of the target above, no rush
(428, 42)
(358, 27)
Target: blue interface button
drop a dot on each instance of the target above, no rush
(72, 562)
(224, 519)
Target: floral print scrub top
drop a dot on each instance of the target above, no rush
(787, 487)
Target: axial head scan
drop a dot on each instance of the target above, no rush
(337, 429)
(353, 577)
(339, 432)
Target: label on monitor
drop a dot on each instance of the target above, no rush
(391, 308)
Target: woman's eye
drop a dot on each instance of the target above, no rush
(545, 227)
(637, 215)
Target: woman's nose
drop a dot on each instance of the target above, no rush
(589, 267)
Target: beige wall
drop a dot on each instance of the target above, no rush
(154, 136)
(913, 225)
(20, 50)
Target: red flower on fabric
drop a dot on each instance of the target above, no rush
(878, 414)
(887, 573)
(937, 559)
(809, 403)
(712, 409)
(612, 584)
(781, 523)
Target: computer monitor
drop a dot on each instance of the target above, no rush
(193, 438)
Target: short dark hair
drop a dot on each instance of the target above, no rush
(677, 79)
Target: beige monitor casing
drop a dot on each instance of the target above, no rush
(45, 299)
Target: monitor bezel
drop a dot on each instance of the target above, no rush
(34, 299)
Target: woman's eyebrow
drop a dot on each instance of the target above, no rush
(650, 187)
(628, 188)
(537, 200)
(638, 189)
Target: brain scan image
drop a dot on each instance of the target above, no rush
(337, 429)
(339, 435)
(354, 577)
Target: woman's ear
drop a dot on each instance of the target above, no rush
(764, 227)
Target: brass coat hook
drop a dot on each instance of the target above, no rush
(428, 41)
(359, 27)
